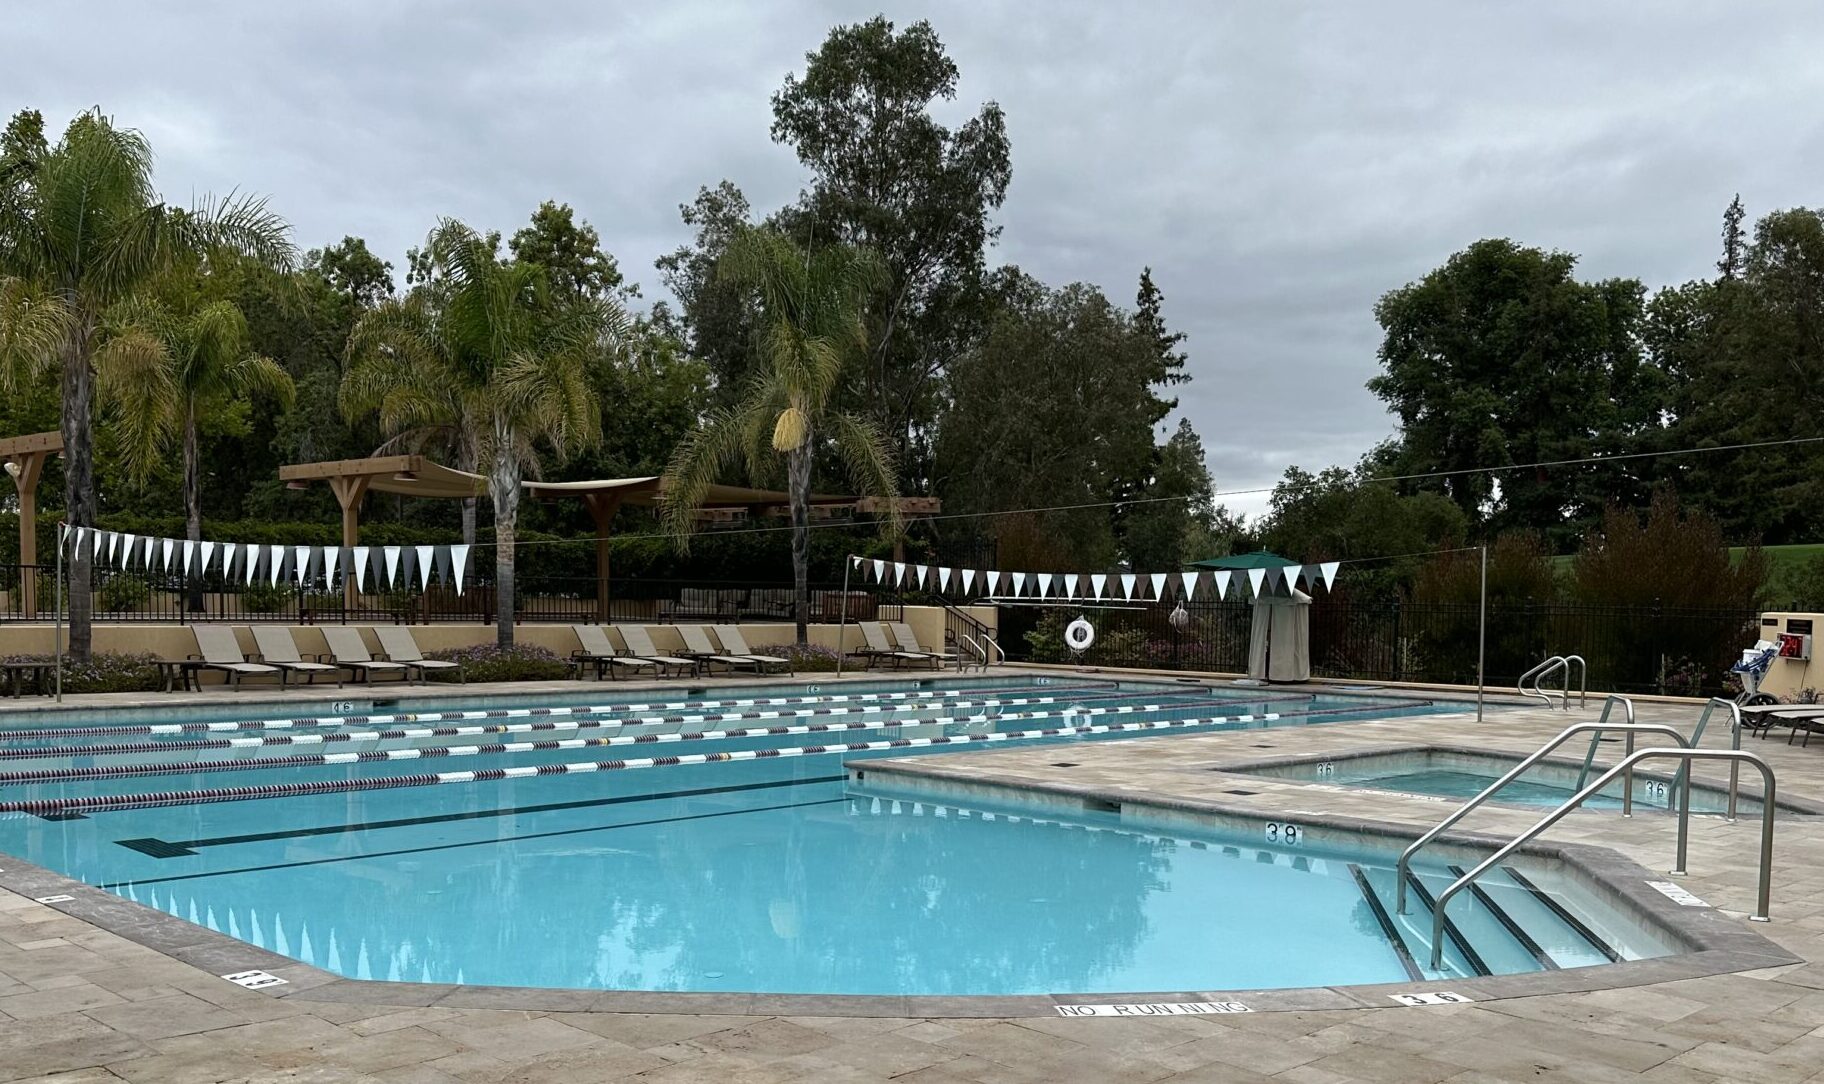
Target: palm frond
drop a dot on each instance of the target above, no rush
(33, 325)
(133, 380)
(697, 463)
(868, 458)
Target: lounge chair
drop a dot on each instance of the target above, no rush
(599, 650)
(348, 650)
(698, 647)
(639, 641)
(217, 649)
(277, 648)
(731, 638)
(881, 649)
(1806, 717)
(401, 646)
(908, 641)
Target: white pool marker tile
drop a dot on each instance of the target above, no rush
(53, 899)
(1676, 893)
(255, 980)
(1167, 1008)
(1441, 997)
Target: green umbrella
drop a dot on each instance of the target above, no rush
(1242, 562)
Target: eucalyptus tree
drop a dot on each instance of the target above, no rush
(809, 330)
(489, 346)
(82, 230)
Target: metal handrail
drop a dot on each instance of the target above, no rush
(1735, 756)
(1735, 742)
(1539, 673)
(1403, 867)
(980, 651)
(995, 644)
(1589, 758)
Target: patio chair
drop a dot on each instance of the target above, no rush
(401, 646)
(277, 648)
(880, 649)
(908, 641)
(639, 641)
(598, 649)
(698, 647)
(348, 650)
(1806, 717)
(731, 638)
(217, 649)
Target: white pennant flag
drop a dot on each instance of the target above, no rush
(1158, 579)
(424, 567)
(125, 557)
(968, 580)
(170, 548)
(880, 571)
(459, 564)
(277, 554)
(1128, 579)
(1222, 584)
(1328, 568)
(189, 555)
(208, 549)
(300, 563)
(854, 561)
(1044, 584)
(358, 556)
(899, 573)
(96, 540)
(113, 545)
(921, 570)
(994, 581)
(79, 532)
(1190, 584)
(1256, 577)
(332, 556)
(1019, 583)
(253, 562)
(1070, 585)
(228, 551)
(1096, 583)
(943, 578)
(391, 556)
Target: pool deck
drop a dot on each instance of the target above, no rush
(79, 1002)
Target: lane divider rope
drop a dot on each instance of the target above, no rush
(319, 721)
(47, 775)
(53, 806)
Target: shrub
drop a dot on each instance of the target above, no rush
(265, 598)
(806, 658)
(122, 594)
(491, 662)
(106, 672)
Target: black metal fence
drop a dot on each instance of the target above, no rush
(126, 597)
(1639, 649)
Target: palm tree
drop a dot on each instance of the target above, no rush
(81, 230)
(162, 366)
(489, 344)
(810, 328)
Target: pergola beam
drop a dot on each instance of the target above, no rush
(24, 457)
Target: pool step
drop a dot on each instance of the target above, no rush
(1411, 932)
(1569, 940)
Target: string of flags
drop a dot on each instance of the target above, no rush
(388, 567)
(1097, 587)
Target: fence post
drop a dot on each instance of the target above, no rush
(1396, 639)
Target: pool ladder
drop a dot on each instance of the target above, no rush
(980, 654)
(1553, 665)
(1684, 751)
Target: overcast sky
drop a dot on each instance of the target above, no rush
(1279, 166)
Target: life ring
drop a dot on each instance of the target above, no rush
(1079, 635)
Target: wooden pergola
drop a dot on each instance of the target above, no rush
(24, 458)
(417, 476)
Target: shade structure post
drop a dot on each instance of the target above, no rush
(349, 492)
(602, 508)
(25, 469)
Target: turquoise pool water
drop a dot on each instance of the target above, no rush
(771, 874)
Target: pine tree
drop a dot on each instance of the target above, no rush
(1730, 265)
(1150, 319)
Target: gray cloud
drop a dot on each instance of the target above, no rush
(1279, 166)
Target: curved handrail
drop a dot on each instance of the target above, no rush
(1589, 758)
(979, 650)
(1538, 674)
(1403, 867)
(995, 644)
(1583, 680)
(1735, 741)
(1735, 756)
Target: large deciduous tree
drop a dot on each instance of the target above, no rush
(491, 346)
(1500, 357)
(81, 230)
(810, 330)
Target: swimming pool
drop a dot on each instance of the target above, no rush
(714, 842)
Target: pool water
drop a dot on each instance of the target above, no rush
(773, 874)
